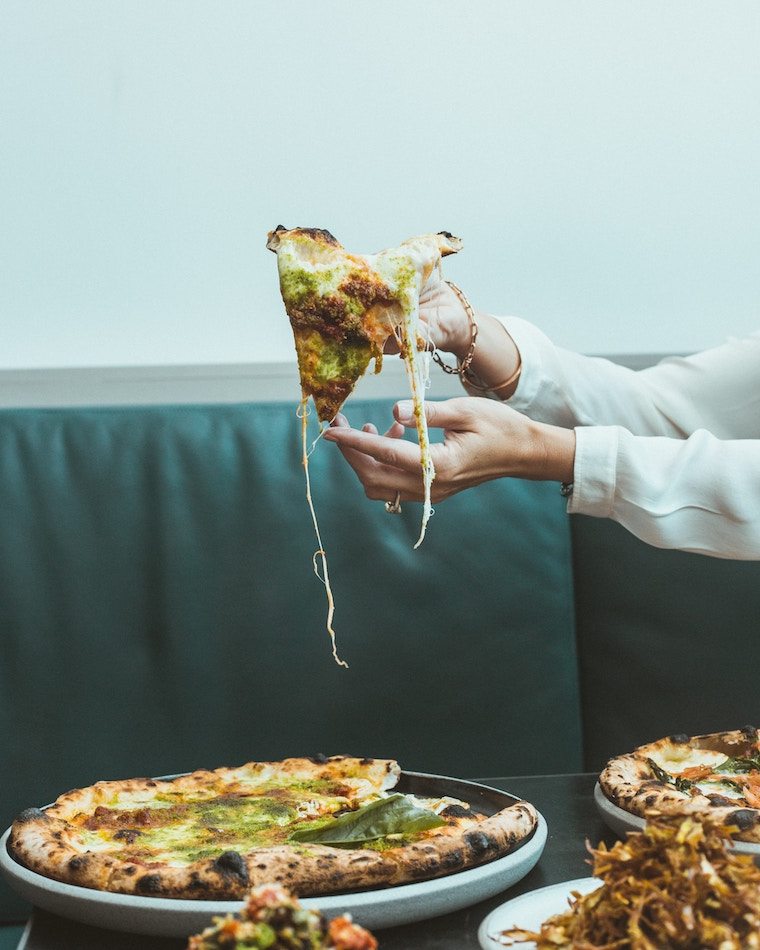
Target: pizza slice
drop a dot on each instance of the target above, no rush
(343, 307)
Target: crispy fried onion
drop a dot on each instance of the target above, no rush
(674, 886)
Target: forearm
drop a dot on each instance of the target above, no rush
(495, 357)
(718, 389)
(569, 389)
(700, 494)
(516, 362)
(550, 453)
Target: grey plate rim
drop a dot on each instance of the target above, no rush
(165, 917)
(623, 821)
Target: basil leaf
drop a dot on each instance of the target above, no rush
(393, 815)
(660, 774)
(682, 784)
(739, 766)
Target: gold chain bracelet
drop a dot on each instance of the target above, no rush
(462, 365)
(462, 369)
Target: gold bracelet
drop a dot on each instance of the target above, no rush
(495, 389)
(462, 365)
(462, 368)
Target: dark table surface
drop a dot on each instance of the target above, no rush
(566, 802)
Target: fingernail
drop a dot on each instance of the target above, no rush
(340, 420)
(405, 411)
(329, 434)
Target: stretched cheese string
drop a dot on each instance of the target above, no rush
(319, 554)
(418, 370)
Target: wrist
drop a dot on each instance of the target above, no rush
(458, 340)
(457, 325)
(551, 453)
(497, 362)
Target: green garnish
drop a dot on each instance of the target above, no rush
(393, 815)
(739, 766)
(681, 784)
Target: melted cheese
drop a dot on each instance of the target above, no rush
(320, 555)
(675, 759)
(718, 788)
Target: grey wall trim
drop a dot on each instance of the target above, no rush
(239, 382)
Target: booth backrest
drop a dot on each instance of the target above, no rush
(159, 612)
(668, 642)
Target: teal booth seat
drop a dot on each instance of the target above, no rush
(159, 612)
(668, 642)
(10, 936)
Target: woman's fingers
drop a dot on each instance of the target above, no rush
(396, 452)
(458, 414)
(381, 482)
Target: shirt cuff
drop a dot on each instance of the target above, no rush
(528, 340)
(594, 472)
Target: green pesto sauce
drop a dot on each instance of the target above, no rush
(243, 813)
(218, 825)
(336, 360)
(296, 285)
(320, 786)
(385, 844)
(405, 276)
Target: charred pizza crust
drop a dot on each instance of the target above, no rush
(630, 782)
(49, 841)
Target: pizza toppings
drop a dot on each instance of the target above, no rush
(731, 778)
(678, 757)
(272, 918)
(674, 886)
(394, 816)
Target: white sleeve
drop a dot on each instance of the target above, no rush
(717, 390)
(672, 452)
(700, 494)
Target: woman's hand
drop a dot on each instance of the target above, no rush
(495, 358)
(443, 317)
(483, 440)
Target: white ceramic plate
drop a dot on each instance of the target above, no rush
(406, 903)
(623, 821)
(530, 910)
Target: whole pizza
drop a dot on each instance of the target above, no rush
(716, 774)
(316, 825)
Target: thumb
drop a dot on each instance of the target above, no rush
(451, 414)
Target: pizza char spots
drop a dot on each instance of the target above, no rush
(232, 863)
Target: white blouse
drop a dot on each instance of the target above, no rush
(671, 452)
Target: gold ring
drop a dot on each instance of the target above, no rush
(394, 507)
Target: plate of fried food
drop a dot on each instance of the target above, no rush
(676, 885)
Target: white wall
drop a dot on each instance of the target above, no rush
(600, 159)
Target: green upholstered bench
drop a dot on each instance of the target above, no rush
(159, 612)
(10, 936)
(667, 641)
